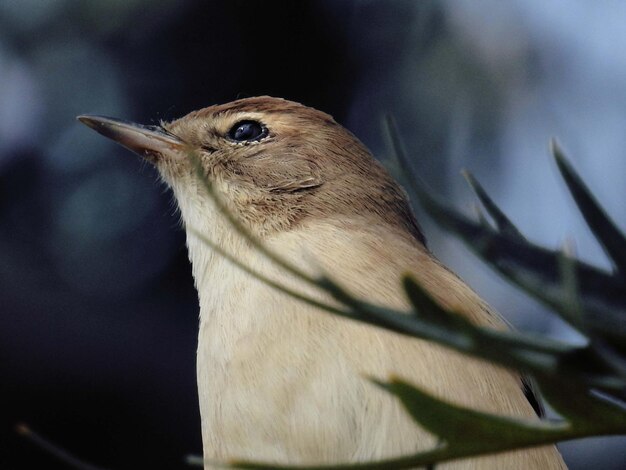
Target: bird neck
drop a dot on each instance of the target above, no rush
(204, 223)
(206, 264)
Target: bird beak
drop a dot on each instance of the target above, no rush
(147, 141)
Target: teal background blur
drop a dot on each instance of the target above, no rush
(98, 315)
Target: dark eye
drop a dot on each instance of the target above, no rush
(247, 131)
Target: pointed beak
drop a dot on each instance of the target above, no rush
(147, 141)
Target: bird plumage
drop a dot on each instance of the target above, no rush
(279, 380)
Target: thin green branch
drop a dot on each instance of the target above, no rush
(465, 432)
(243, 231)
(271, 283)
(524, 352)
(54, 450)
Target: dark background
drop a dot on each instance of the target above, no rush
(98, 315)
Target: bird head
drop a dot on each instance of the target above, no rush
(275, 163)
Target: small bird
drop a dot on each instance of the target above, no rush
(279, 380)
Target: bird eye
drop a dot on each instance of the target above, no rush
(247, 131)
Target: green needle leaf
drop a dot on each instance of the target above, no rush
(427, 308)
(582, 408)
(610, 237)
(538, 271)
(502, 221)
(463, 427)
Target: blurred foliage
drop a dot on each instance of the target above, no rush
(590, 299)
(94, 312)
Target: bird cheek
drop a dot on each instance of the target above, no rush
(175, 170)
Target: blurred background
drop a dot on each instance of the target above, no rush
(98, 314)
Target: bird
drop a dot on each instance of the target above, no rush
(278, 380)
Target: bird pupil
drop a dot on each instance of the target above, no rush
(247, 131)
